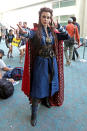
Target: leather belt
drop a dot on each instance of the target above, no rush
(46, 51)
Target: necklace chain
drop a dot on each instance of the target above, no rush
(48, 39)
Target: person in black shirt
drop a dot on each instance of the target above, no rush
(9, 37)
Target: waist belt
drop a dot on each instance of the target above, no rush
(47, 52)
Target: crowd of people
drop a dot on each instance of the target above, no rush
(43, 76)
(13, 38)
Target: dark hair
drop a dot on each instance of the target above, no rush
(45, 9)
(10, 30)
(25, 23)
(2, 52)
(74, 18)
(20, 22)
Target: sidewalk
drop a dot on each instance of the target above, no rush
(71, 116)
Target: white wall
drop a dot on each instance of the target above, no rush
(26, 14)
(6, 5)
(30, 14)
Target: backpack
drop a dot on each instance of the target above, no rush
(6, 88)
(7, 74)
(17, 73)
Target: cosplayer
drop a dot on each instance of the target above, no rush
(43, 78)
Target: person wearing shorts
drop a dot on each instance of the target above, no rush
(8, 40)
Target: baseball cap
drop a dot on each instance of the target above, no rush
(70, 20)
(2, 52)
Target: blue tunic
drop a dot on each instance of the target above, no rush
(40, 83)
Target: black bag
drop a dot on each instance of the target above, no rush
(69, 42)
(6, 88)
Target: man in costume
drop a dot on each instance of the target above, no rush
(43, 77)
(75, 50)
(69, 44)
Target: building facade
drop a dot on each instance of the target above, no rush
(62, 9)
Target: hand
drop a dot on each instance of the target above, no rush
(79, 44)
(11, 80)
(21, 30)
(56, 30)
(10, 69)
(18, 26)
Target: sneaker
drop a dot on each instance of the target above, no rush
(15, 83)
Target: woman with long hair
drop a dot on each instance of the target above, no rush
(43, 78)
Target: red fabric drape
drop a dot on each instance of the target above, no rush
(58, 98)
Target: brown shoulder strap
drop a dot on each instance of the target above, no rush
(74, 29)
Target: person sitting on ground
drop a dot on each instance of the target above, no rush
(10, 79)
(3, 67)
(16, 73)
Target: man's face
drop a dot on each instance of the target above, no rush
(20, 23)
(11, 32)
(25, 25)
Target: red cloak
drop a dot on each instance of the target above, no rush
(58, 97)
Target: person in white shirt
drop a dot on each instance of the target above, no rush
(3, 67)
